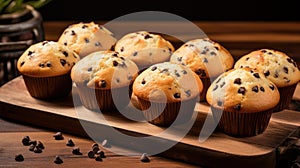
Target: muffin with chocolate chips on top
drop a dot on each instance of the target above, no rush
(144, 48)
(103, 80)
(208, 59)
(167, 91)
(277, 67)
(244, 100)
(46, 67)
(85, 38)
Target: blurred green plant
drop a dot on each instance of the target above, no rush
(11, 6)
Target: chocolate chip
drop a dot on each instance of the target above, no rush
(19, 158)
(84, 26)
(65, 43)
(147, 36)
(267, 73)
(247, 58)
(44, 43)
(22, 63)
(25, 141)
(217, 48)
(115, 63)
(264, 51)
(188, 93)
(216, 87)
(213, 53)
(122, 49)
(90, 69)
(177, 74)
(48, 64)
(58, 136)
(292, 62)
(237, 107)
(40, 145)
(58, 160)
(222, 84)
(70, 142)
(34, 142)
(203, 52)
(73, 33)
(63, 62)
(219, 103)
(118, 80)
(135, 53)
(205, 60)
(95, 144)
(115, 54)
(95, 149)
(242, 90)
(102, 83)
(86, 40)
(262, 89)
(153, 68)
(272, 87)
(237, 81)
(129, 77)
(219, 79)
(164, 70)
(256, 75)
(65, 53)
(255, 89)
(286, 70)
(276, 75)
(91, 154)
(30, 53)
(270, 53)
(98, 158)
(31, 147)
(41, 65)
(200, 72)
(144, 158)
(177, 95)
(97, 44)
(37, 150)
(76, 151)
(101, 154)
(106, 144)
(286, 79)
(179, 59)
(184, 72)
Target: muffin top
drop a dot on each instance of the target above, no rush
(46, 59)
(104, 70)
(204, 56)
(243, 90)
(85, 38)
(275, 65)
(167, 81)
(144, 48)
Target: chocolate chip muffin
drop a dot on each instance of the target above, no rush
(244, 100)
(144, 48)
(206, 58)
(167, 93)
(277, 67)
(103, 80)
(85, 38)
(46, 67)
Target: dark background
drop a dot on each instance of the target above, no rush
(197, 10)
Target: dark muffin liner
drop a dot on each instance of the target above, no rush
(99, 99)
(164, 114)
(242, 124)
(286, 95)
(48, 87)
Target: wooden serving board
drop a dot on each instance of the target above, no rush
(218, 150)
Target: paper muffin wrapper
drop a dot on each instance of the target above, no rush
(242, 124)
(48, 87)
(164, 114)
(286, 95)
(206, 83)
(103, 100)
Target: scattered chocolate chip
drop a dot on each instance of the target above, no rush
(222, 84)
(91, 154)
(256, 75)
(144, 158)
(219, 103)
(48, 64)
(25, 141)
(267, 73)
(31, 147)
(73, 33)
(70, 142)
(147, 36)
(76, 151)
(101, 154)
(115, 63)
(262, 89)
(286, 70)
(90, 69)
(106, 144)
(143, 82)
(237, 81)
(97, 44)
(216, 87)
(34, 142)
(200, 72)
(205, 60)
(272, 87)
(95, 149)
(98, 158)
(30, 53)
(40, 145)
(242, 90)
(19, 158)
(238, 107)
(58, 160)
(63, 62)
(188, 93)
(37, 150)
(102, 83)
(58, 136)
(153, 68)
(135, 53)
(95, 144)
(255, 89)
(177, 95)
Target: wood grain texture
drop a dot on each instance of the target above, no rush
(61, 115)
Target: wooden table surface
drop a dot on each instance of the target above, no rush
(238, 37)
